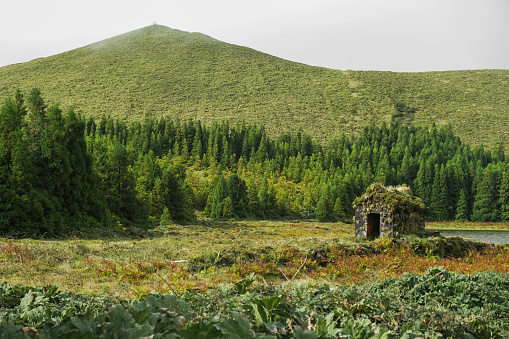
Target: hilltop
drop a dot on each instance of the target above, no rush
(159, 71)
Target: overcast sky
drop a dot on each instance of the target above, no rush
(389, 35)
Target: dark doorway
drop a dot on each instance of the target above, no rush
(373, 225)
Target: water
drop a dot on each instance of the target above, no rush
(497, 237)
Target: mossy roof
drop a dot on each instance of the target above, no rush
(394, 200)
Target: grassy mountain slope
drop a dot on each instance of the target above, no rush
(161, 71)
(475, 102)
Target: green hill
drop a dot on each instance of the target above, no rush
(161, 71)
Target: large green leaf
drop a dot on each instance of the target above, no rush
(239, 328)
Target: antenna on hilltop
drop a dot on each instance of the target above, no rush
(154, 23)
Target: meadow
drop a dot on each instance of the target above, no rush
(197, 256)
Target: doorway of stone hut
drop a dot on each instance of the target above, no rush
(373, 225)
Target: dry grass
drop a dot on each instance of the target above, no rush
(276, 252)
(95, 266)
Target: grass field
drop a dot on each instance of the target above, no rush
(276, 252)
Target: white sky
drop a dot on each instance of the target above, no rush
(392, 35)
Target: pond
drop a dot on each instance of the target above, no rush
(497, 237)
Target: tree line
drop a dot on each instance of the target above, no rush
(59, 171)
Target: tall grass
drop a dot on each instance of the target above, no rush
(275, 252)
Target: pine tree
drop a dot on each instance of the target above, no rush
(324, 210)
(165, 217)
(263, 198)
(384, 171)
(404, 171)
(237, 191)
(156, 199)
(220, 193)
(262, 152)
(438, 206)
(339, 212)
(424, 180)
(253, 202)
(118, 184)
(34, 134)
(267, 199)
(298, 166)
(197, 150)
(184, 152)
(284, 203)
(207, 211)
(486, 199)
(16, 207)
(37, 108)
(146, 171)
(52, 179)
(227, 211)
(178, 193)
(504, 197)
(462, 207)
(498, 152)
(11, 124)
(82, 196)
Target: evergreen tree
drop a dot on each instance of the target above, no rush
(208, 206)
(267, 199)
(227, 211)
(438, 206)
(178, 193)
(324, 210)
(156, 200)
(52, 177)
(81, 199)
(424, 180)
(220, 193)
(253, 202)
(486, 198)
(197, 149)
(462, 207)
(165, 217)
(384, 171)
(16, 208)
(504, 197)
(37, 108)
(339, 212)
(498, 152)
(405, 170)
(118, 184)
(237, 191)
(146, 172)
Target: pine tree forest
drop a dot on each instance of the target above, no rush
(60, 171)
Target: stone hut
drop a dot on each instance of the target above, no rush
(388, 211)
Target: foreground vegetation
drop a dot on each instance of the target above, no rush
(164, 72)
(298, 279)
(433, 305)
